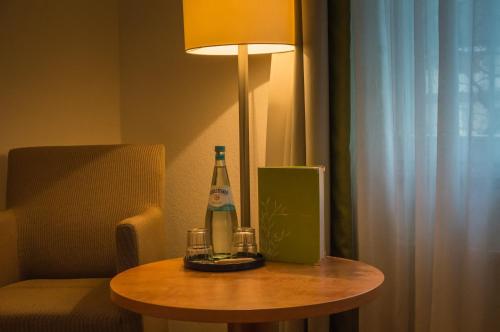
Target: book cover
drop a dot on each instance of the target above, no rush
(291, 214)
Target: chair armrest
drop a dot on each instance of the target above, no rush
(141, 239)
(9, 261)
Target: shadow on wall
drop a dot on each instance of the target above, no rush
(3, 180)
(187, 102)
(167, 95)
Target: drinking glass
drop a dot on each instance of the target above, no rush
(198, 244)
(244, 243)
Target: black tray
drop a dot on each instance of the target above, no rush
(205, 265)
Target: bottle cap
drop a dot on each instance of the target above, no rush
(220, 148)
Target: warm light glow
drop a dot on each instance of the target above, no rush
(233, 49)
(217, 27)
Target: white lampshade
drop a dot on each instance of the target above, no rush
(217, 27)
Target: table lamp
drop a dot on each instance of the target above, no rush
(240, 27)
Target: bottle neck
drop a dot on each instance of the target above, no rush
(220, 176)
(220, 162)
(220, 159)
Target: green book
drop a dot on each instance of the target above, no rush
(291, 214)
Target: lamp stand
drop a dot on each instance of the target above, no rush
(244, 135)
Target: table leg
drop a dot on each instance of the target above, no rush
(253, 327)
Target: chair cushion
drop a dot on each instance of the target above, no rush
(63, 305)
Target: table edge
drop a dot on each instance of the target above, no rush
(247, 316)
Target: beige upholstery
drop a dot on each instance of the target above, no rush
(8, 248)
(68, 201)
(62, 305)
(134, 245)
(75, 213)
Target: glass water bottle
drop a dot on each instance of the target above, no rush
(221, 220)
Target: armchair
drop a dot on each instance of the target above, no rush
(75, 217)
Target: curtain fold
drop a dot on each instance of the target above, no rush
(426, 161)
(298, 126)
(343, 234)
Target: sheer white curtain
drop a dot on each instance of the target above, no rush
(426, 151)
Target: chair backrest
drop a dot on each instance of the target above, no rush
(68, 200)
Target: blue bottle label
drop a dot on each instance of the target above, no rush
(220, 199)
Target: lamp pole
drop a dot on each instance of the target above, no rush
(244, 135)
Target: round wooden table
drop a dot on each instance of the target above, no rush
(246, 300)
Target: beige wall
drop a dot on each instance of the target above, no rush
(187, 102)
(98, 72)
(59, 74)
